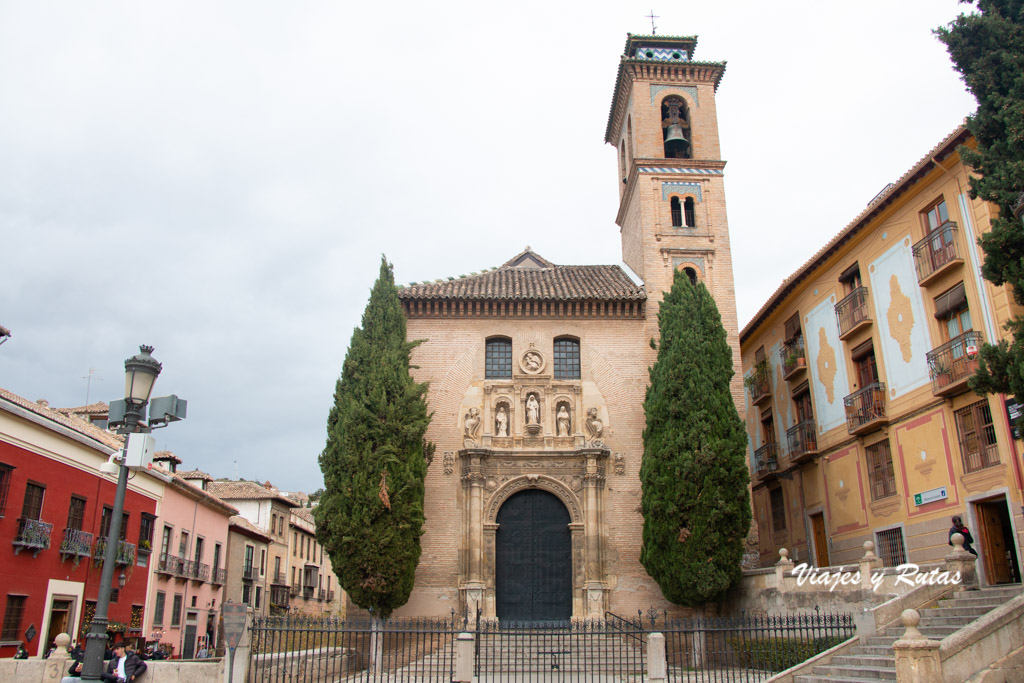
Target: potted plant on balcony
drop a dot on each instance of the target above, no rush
(145, 546)
(941, 373)
(794, 359)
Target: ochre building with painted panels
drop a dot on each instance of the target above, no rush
(538, 372)
(860, 423)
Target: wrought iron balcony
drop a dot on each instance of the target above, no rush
(219, 576)
(803, 440)
(295, 589)
(936, 253)
(76, 543)
(307, 592)
(33, 534)
(125, 552)
(280, 579)
(321, 594)
(950, 366)
(793, 357)
(200, 571)
(188, 568)
(330, 596)
(759, 382)
(170, 564)
(248, 572)
(852, 312)
(766, 458)
(279, 596)
(865, 409)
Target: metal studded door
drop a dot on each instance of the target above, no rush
(533, 559)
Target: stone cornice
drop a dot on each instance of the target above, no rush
(525, 308)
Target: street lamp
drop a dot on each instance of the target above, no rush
(127, 417)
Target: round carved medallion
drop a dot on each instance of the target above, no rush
(532, 362)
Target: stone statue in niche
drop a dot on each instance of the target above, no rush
(594, 426)
(472, 429)
(532, 410)
(501, 421)
(563, 420)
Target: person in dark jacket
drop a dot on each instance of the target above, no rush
(22, 653)
(959, 528)
(124, 667)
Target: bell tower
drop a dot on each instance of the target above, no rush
(664, 126)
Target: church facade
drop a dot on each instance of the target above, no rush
(538, 373)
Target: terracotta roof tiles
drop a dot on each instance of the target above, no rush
(246, 490)
(76, 424)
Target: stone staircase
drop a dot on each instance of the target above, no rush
(873, 659)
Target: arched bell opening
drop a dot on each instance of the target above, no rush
(675, 128)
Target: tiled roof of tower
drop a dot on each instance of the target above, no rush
(195, 474)
(540, 280)
(246, 490)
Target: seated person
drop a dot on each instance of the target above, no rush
(124, 667)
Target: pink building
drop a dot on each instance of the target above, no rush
(189, 567)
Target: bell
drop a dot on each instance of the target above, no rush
(675, 133)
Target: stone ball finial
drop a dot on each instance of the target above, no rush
(62, 640)
(958, 542)
(869, 546)
(910, 619)
(783, 554)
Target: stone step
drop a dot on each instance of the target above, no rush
(973, 611)
(881, 641)
(873, 650)
(933, 618)
(877, 673)
(832, 679)
(879, 660)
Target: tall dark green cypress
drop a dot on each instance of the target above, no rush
(987, 49)
(370, 517)
(694, 474)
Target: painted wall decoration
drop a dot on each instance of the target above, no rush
(828, 372)
(899, 313)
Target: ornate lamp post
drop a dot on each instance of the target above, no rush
(128, 416)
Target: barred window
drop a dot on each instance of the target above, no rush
(977, 436)
(498, 358)
(880, 471)
(12, 617)
(32, 506)
(176, 609)
(891, 547)
(567, 359)
(5, 484)
(76, 513)
(778, 502)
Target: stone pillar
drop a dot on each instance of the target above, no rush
(868, 563)
(959, 560)
(593, 482)
(464, 658)
(917, 656)
(782, 567)
(58, 663)
(473, 583)
(656, 665)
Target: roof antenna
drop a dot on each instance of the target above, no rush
(89, 380)
(652, 16)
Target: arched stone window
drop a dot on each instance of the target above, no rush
(622, 160)
(675, 128)
(692, 274)
(498, 358)
(689, 214)
(677, 212)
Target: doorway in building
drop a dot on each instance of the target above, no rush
(533, 559)
(60, 620)
(820, 536)
(189, 646)
(995, 542)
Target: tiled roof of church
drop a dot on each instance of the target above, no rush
(529, 276)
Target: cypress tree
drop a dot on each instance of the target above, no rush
(694, 474)
(987, 49)
(370, 516)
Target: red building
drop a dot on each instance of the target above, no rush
(55, 510)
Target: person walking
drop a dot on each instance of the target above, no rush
(959, 528)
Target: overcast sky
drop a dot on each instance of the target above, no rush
(220, 179)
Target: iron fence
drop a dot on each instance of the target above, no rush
(298, 648)
(747, 648)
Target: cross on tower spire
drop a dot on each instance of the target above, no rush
(652, 16)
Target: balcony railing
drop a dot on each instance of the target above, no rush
(307, 592)
(33, 534)
(294, 589)
(803, 439)
(936, 251)
(125, 552)
(766, 458)
(280, 579)
(219, 576)
(793, 357)
(852, 311)
(759, 382)
(279, 596)
(170, 564)
(200, 571)
(248, 572)
(321, 594)
(330, 596)
(865, 409)
(76, 543)
(950, 366)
